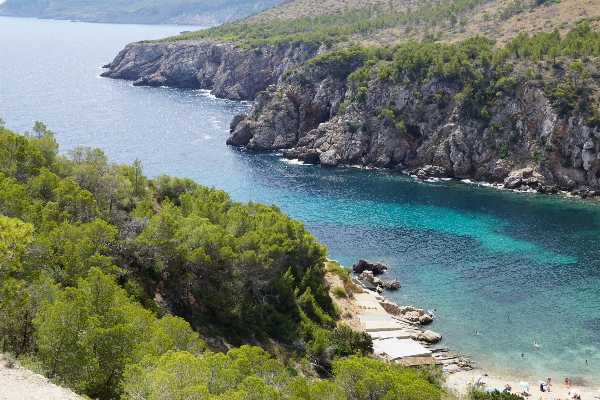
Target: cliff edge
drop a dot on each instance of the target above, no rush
(228, 71)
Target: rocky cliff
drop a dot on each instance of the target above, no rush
(191, 12)
(520, 141)
(230, 72)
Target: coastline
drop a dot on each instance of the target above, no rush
(459, 382)
(460, 378)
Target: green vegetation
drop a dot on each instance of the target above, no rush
(86, 246)
(480, 73)
(339, 292)
(329, 28)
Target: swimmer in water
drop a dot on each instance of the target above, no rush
(477, 333)
(536, 344)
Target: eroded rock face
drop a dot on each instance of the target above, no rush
(525, 144)
(228, 71)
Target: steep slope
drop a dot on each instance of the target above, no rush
(443, 111)
(197, 12)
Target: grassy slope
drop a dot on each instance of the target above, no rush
(531, 19)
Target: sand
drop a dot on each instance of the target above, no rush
(21, 384)
(459, 381)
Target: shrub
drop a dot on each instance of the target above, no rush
(339, 292)
(335, 268)
(503, 151)
(9, 360)
(495, 127)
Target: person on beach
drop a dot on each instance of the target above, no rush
(566, 381)
(570, 382)
(542, 387)
(548, 381)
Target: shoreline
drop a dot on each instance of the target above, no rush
(554, 190)
(459, 378)
(459, 382)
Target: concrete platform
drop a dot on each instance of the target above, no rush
(399, 348)
(379, 326)
(375, 317)
(370, 307)
(365, 296)
(398, 334)
(415, 361)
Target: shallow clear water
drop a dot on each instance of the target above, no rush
(476, 254)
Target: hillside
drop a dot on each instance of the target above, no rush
(340, 23)
(524, 115)
(193, 12)
(117, 286)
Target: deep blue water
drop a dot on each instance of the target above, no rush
(476, 254)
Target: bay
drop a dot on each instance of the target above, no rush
(476, 254)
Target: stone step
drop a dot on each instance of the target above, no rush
(377, 326)
(398, 334)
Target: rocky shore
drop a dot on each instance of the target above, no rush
(312, 116)
(228, 71)
(398, 332)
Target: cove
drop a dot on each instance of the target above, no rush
(476, 254)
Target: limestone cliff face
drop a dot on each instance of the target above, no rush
(228, 71)
(421, 128)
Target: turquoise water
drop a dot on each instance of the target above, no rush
(475, 254)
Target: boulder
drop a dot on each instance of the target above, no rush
(235, 121)
(391, 285)
(412, 316)
(364, 265)
(513, 181)
(328, 158)
(429, 336)
(425, 319)
(241, 136)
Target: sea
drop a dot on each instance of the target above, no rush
(517, 268)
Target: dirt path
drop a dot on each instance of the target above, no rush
(21, 384)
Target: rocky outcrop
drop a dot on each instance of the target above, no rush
(228, 71)
(391, 285)
(420, 128)
(367, 279)
(364, 265)
(428, 337)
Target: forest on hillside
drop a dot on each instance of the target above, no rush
(108, 279)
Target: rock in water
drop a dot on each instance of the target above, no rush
(391, 285)
(364, 265)
(429, 337)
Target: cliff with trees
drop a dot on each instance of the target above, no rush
(524, 115)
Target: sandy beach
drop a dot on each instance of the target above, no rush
(458, 382)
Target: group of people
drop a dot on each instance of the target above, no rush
(545, 387)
